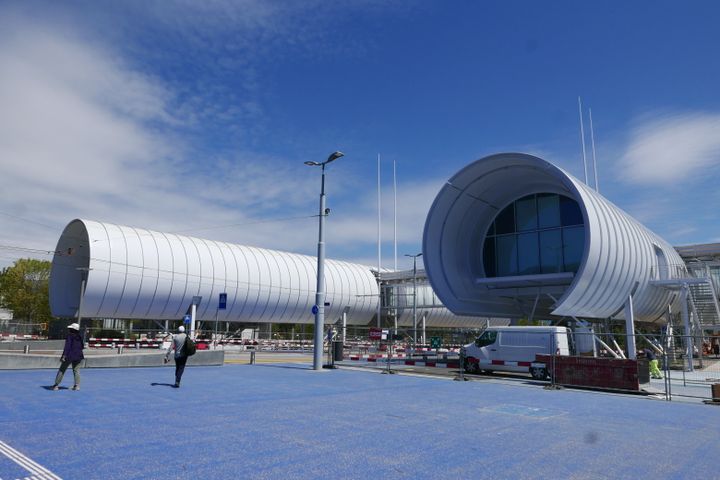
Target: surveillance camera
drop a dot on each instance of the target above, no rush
(327, 211)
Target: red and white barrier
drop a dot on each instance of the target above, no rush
(127, 343)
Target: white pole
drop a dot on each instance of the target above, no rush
(193, 310)
(689, 350)
(592, 140)
(630, 328)
(320, 291)
(379, 242)
(582, 140)
(414, 301)
(344, 321)
(395, 214)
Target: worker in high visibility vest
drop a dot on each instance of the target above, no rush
(653, 361)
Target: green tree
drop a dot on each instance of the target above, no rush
(24, 290)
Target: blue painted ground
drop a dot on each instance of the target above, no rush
(289, 422)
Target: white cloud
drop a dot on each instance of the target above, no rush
(84, 134)
(87, 132)
(665, 149)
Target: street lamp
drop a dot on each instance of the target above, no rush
(320, 295)
(414, 257)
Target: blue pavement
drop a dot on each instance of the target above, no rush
(289, 422)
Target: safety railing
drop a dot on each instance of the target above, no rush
(651, 364)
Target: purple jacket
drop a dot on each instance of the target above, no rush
(73, 350)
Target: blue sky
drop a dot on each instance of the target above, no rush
(181, 116)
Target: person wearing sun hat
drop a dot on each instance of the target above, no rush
(72, 355)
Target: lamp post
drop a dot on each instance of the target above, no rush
(320, 292)
(414, 257)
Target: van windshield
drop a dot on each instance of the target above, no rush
(487, 338)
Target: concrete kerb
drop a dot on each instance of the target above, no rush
(19, 361)
(33, 344)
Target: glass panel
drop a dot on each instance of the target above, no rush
(489, 257)
(528, 255)
(526, 214)
(570, 212)
(573, 246)
(487, 338)
(506, 255)
(548, 210)
(715, 274)
(505, 222)
(551, 251)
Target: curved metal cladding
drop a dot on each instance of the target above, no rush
(143, 274)
(436, 314)
(619, 253)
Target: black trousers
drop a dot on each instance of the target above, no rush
(179, 368)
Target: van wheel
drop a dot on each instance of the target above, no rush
(538, 373)
(471, 367)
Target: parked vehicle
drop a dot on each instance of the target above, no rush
(513, 349)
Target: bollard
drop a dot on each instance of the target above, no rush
(461, 375)
(252, 357)
(26, 349)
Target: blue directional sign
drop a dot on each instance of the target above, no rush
(315, 309)
(187, 319)
(223, 301)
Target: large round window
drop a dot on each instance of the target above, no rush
(539, 233)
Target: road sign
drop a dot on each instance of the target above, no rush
(435, 342)
(187, 319)
(315, 310)
(375, 334)
(223, 301)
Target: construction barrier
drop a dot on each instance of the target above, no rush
(138, 344)
(607, 373)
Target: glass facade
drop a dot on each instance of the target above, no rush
(539, 233)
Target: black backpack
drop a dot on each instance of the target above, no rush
(190, 347)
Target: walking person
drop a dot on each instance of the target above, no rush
(72, 355)
(178, 344)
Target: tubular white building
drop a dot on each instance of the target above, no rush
(134, 273)
(514, 235)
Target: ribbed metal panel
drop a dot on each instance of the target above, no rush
(137, 273)
(619, 252)
(436, 314)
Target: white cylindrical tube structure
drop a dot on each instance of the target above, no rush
(136, 273)
(435, 313)
(512, 234)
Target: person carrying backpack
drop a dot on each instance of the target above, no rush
(178, 344)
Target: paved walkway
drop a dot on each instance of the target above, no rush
(289, 422)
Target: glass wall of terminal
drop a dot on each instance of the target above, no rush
(539, 233)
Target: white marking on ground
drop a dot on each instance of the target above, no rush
(38, 471)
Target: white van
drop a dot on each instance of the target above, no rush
(513, 349)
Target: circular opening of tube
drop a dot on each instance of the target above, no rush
(535, 234)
